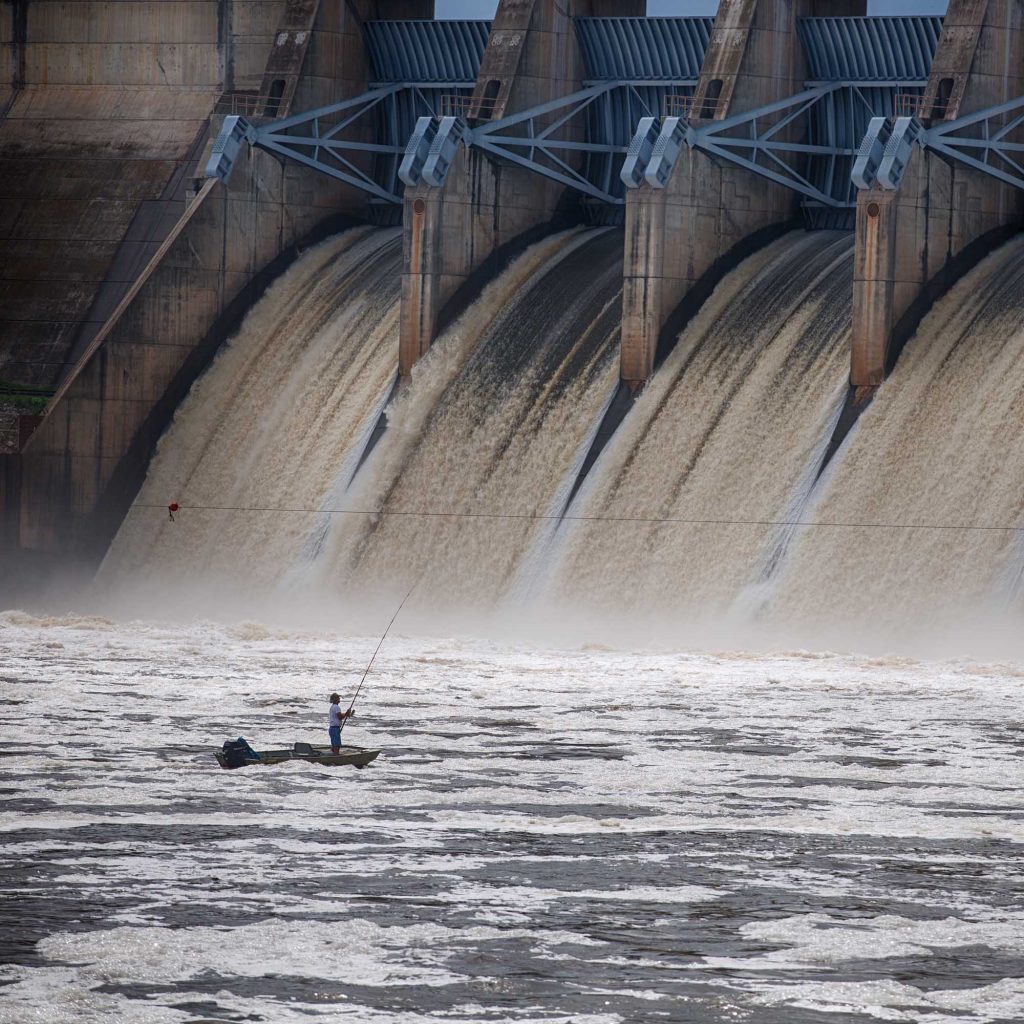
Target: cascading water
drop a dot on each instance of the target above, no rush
(272, 424)
(496, 420)
(475, 452)
(732, 427)
(929, 483)
(679, 515)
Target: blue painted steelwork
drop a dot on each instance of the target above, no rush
(643, 49)
(443, 52)
(631, 65)
(540, 139)
(313, 139)
(646, 59)
(987, 140)
(415, 63)
(872, 59)
(430, 59)
(857, 66)
(869, 49)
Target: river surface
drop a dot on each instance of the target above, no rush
(581, 836)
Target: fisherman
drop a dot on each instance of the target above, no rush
(335, 717)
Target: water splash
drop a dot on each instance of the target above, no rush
(939, 452)
(733, 427)
(269, 424)
(484, 441)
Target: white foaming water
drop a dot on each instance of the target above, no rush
(732, 427)
(549, 835)
(472, 457)
(270, 424)
(928, 481)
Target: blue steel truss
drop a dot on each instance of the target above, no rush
(983, 141)
(579, 140)
(807, 142)
(313, 139)
(361, 141)
(541, 139)
(545, 139)
(647, 59)
(987, 140)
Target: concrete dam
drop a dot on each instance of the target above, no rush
(638, 322)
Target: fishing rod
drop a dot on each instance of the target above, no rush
(366, 671)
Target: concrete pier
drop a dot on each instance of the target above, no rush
(681, 239)
(483, 206)
(912, 243)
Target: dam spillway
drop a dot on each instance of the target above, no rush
(926, 496)
(490, 467)
(624, 414)
(463, 497)
(271, 422)
(733, 427)
(478, 457)
(636, 419)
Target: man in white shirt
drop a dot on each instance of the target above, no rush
(335, 716)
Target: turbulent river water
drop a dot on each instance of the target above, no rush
(574, 836)
(649, 828)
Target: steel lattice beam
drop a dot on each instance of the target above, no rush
(755, 139)
(980, 140)
(746, 141)
(992, 143)
(518, 139)
(315, 138)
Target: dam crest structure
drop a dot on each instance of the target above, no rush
(557, 228)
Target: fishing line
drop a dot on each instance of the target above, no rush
(380, 643)
(654, 520)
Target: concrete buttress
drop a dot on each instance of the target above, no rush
(450, 231)
(680, 239)
(66, 491)
(914, 241)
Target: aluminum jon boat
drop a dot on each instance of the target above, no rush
(233, 757)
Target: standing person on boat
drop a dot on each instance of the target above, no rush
(335, 716)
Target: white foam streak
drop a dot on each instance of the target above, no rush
(488, 434)
(728, 429)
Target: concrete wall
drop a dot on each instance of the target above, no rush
(682, 238)
(484, 205)
(912, 243)
(111, 99)
(84, 463)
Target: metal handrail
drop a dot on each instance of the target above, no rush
(249, 104)
(467, 106)
(907, 104)
(912, 104)
(684, 106)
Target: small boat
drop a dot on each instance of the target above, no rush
(233, 757)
